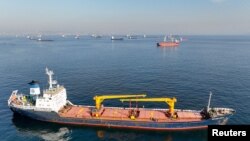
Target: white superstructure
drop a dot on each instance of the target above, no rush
(52, 99)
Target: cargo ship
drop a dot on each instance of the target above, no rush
(116, 38)
(52, 105)
(171, 42)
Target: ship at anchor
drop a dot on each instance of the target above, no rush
(52, 105)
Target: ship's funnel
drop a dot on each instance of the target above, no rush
(34, 88)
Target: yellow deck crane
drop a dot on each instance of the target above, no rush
(169, 101)
(100, 99)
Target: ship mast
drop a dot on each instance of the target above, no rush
(50, 73)
(165, 39)
(209, 100)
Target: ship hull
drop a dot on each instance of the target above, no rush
(167, 44)
(125, 124)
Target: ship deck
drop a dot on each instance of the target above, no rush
(116, 113)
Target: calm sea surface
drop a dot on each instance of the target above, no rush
(89, 66)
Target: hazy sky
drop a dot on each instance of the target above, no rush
(126, 16)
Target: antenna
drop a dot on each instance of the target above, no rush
(50, 73)
(209, 100)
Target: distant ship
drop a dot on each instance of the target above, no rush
(171, 42)
(131, 36)
(116, 38)
(41, 39)
(31, 38)
(77, 37)
(44, 40)
(96, 36)
(52, 105)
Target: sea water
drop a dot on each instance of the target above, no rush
(95, 66)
